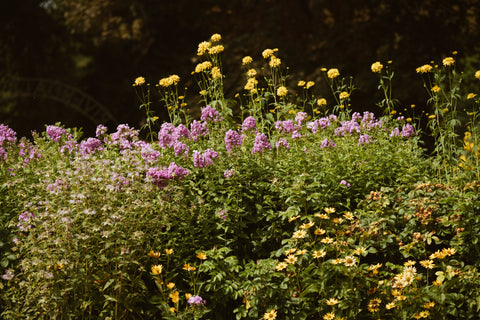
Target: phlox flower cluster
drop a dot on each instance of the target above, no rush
(202, 160)
(24, 221)
(124, 137)
(55, 133)
(321, 123)
(197, 129)
(160, 177)
(233, 139)
(148, 153)
(358, 123)
(363, 139)
(8, 136)
(28, 151)
(282, 142)
(228, 173)
(260, 143)
(197, 300)
(170, 136)
(328, 143)
(209, 114)
(249, 124)
(89, 146)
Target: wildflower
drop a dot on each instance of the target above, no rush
(390, 305)
(329, 316)
(281, 266)
(294, 218)
(429, 305)
(348, 215)
(247, 60)
(290, 251)
(203, 47)
(374, 305)
(260, 143)
(282, 142)
(216, 49)
(216, 74)
(322, 216)
(202, 160)
(196, 300)
(232, 139)
(360, 251)
(424, 69)
(228, 173)
(327, 240)
(301, 83)
(271, 315)
(170, 285)
(436, 89)
(319, 231)
(175, 296)
(321, 102)
(203, 66)
(477, 74)
(139, 81)
(301, 252)
(331, 301)
(299, 234)
(449, 251)
(291, 259)
(471, 96)
(344, 95)
(188, 267)
(448, 61)
(345, 183)
(363, 139)
(251, 83)
(169, 251)
(307, 225)
(428, 264)
(209, 113)
(268, 52)
(374, 268)
(55, 133)
(157, 269)
(9, 274)
(154, 254)
(350, 261)
(251, 73)
(317, 254)
(222, 214)
(274, 62)
(215, 37)
(201, 256)
(377, 67)
(409, 263)
(329, 210)
(188, 295)
(333, 73)
(432, 116)
(171, 309)
(309, 84)
(282, 91)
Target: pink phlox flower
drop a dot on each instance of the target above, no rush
(197, 129)
(233, 139)
(408, 131)
(209, 113)
(202, 160)
(363, 139)
(249, 124)
(261, 143)
(282, 143)
(328, 143)
(89, 146)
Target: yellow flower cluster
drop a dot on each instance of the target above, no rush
(203, 47)
(274, 62)
(344, 95)
(309, 84)
(188, 267)
(139, 81)
(251, 83)
(216, 37)
(175, 296)
(216, 49)
(203, 66)
(321, 102)
(251, 73)
(374, 305)
(424, 69)
(448, 61)
(282, 91)
(201, 256)
(171, 80)
(333, 73)
(377, 67)
(247, 60)
(216, 74)
(436, 89)
(157, 269)
(267, 53)
(441, 254)
(154, 254)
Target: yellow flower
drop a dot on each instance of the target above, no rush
(317, 254)
(477, 74)
(291, 111)
(188, 267)
(377, 67)
(281, 266)
(323, 69)
(307, 225)
(390, 305)
(201, 256)
(359, 250)
(408, 119)
(203, 47)
(203, 66)
(188, 295)
(322, 216)
(139, 81)
(175, 79)
(300, 252)
(310, 84)
(175, 296)
(216, 74)
(393, 112)
(154, 254)
(344, 95)
(326, 240)
(170, 285)
(448, 61)
(270, 315)
(319, 231)
(374, 305)
(157, 269)
(471, 96)
(268, 52)
(428, 264)
(169, 251)
(202, 92)
(301, 83)
(215, 37)
(350, 261)
(290, 251)
(216, 49)
(329, 316)
(333, 73)
(274, 62)
(424, 69)
(449, 251)
(329, 210)
(294, 218)
(251, 73)
(247, 60)
(321, 102)
(409, 263)
(291, 259)
(165, 82)
(429, 305)
(251, 83)
(348, 215)
(282, 91)
(331, 301)
(299, 234)
(436, 89)
(432, 116)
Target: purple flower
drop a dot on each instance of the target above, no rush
(282, 142)
(124, 136)
(300, 117)
(101, 130)
(286, 126)
(8, 275)
(202, 160)
(408, 130)
(197, 129)
(249, 123)
(160, 177)
(24, 221)
(222, 214)
(90, 146)
(149, 154)
(181, 131)
(59, 185)
(209, 113)
(328, 143)
(345, 183)
(55, 133)
(180, 148)
(363, 139)
(196, 300)
(7, 134)
(394, 133)
(232, 139)
(228, 173)
(260, 143)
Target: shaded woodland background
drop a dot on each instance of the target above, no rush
(100, 46)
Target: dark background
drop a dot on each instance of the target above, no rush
(100, 46)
